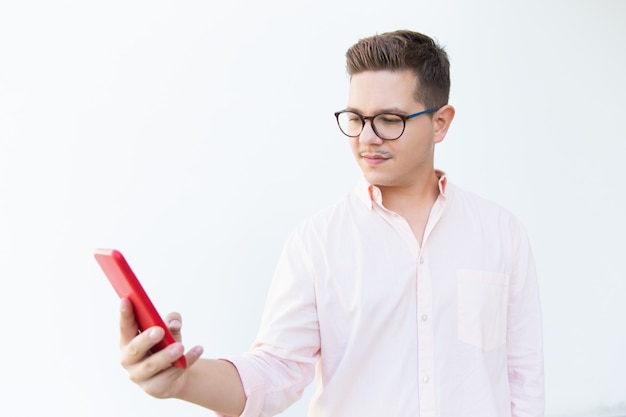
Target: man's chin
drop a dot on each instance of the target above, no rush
(378, 180)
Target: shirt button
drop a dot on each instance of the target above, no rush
(426, 379)
(424, 317)
(421, 259)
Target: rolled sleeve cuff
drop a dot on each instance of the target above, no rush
(252, 386)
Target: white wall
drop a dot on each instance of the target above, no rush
(195, 135)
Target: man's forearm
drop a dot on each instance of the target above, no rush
(216, 385)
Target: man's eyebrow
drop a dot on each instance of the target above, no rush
(379, 111)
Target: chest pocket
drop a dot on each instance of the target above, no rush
(482, 298)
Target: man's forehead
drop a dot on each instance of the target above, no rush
(382, 90)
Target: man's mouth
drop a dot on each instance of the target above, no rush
(374, 158)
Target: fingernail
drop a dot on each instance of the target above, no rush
(155, 334)
(175, 350)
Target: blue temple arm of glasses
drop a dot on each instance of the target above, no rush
(432, 109)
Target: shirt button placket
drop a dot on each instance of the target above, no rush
(424, 316)
(425, 338)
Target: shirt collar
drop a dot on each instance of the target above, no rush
(370, 194)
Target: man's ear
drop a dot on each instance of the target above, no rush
(442, 119)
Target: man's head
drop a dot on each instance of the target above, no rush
(405, 50)
(397, 107)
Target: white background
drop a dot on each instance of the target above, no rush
(194, 135)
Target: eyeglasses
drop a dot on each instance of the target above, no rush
(387, 126)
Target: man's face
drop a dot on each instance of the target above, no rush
(391, 163)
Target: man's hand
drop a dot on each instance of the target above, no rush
(154, 372)
(214, 384)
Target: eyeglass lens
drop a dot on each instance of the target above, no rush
(386, 126)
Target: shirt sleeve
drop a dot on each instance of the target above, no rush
(524, 333)
(283, 358)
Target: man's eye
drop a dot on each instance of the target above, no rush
(389, 120)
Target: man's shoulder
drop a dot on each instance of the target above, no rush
(482, 216)
(332, 217)
(336, 210)
(470, 202)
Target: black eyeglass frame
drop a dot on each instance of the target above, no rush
(404, 118)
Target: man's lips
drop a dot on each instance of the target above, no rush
(374, 158)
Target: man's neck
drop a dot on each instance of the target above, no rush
(413, 195)
(413, 202)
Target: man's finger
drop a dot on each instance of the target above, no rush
(128, 323)
(175, 323)
(138, 348)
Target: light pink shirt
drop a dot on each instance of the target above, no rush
(389, 328)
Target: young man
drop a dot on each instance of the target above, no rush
(409, 297)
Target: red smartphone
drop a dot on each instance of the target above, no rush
(127, 285)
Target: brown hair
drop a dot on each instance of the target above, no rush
(405, 50)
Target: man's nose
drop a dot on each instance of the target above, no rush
(368, 136)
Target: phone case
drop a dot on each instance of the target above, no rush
(127, 285)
